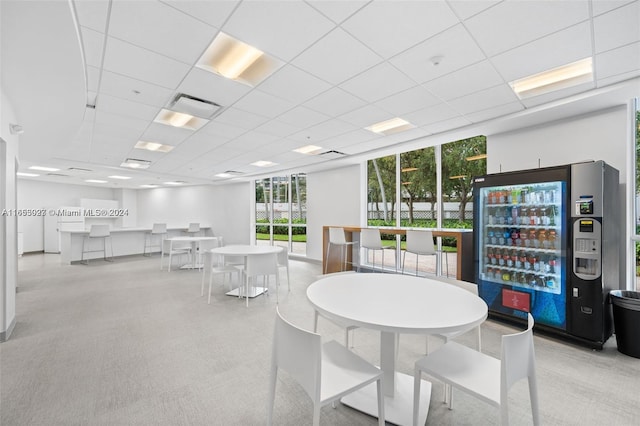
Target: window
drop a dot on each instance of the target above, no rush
(381, 191)
(636, 238)
(281, 212)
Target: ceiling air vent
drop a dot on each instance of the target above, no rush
(79, 170)
(57, 174)
(332, 154)
(194, 106)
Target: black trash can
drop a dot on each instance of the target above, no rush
(626, 320)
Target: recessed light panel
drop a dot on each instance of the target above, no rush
(179, 119)
(23, 174)
(569, 75)
(134, 163)
(153, 146)
(174, 182)
(148, 186)
(263, 163)
(236, 60)
(389, 127)
(44, 169)
(120, 177)
(309, 149)
(95, 181)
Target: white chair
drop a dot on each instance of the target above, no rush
(215, 266)
(283, 262)
(483, 376)
(174, 248)
(337, 238)
(370, 240)
(327, 372)
(347, 327)
(159, 230)
(472, 288)
(420, 243)
(97, 232)
(193, 230)
(263, 264)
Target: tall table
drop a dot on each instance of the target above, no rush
(244, 250)
(395, 304)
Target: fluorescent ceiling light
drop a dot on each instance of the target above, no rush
(476, 157)
(148, 186)
(309, 149)
(236, 60)
(174, 183)
(95, 181)
(44, 169)
(134, 163)
(23, 174)
(179, 119)
(224, 175)
(389, 127)
(554, 79)
(120, 177)
(409, 169)
(263, 163)
(153, 146)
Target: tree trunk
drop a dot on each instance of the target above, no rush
(382, 193)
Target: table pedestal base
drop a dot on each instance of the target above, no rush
(398, 409)
(253, 292)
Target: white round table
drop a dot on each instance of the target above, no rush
(245, 250)
(395, 304)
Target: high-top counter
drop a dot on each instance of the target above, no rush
(464, 245)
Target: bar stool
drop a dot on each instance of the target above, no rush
(370, 239)
(193, 230)
(159, 229)
(420, 243)
(97, 232)
(337, 238)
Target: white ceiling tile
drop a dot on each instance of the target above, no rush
(484, 99)
(302, 117)
(253, 141)
(222, 129)
(600, 6)
(351, 138)
(126, 107)
(334, 102)
(266, 25)
(141, 64)
(263, 104)
(379, 82)
(618, 61)
(445, 125)
(337, 57)
(390, 27)
(318, 133)
(408, 101)
(277, 128)
(617, 28)
(366, 116)
(306, 87)
(212, 87)
(495, 112)
(124, 121)
(431, 115)
(465, 81)
(239, 118)
(93, 77)
(198, 144)
(557, 94)
(455, 48)
(93, 43)
(618, 78)
(93, 14)
(561, 48)
(126, 88)
(160, 28)
(513, 23)
(214, 13)
(337, 11)
(219, 154)
(165, 134)
(465, 9)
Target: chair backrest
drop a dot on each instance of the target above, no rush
(518, 358)
(262, 264)
(299, 353)
(370, 238)
(177, 244)
(97, 231)
(159, 228)
(420, 242)
(206, 245)
(283, 257)
(194, 227)
(336, 236)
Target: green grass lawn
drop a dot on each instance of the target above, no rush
(303, 239)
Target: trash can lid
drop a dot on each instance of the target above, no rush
(626, 299)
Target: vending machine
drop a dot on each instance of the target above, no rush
(546, 241)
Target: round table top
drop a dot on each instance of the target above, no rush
(397, 303)
(245, 250)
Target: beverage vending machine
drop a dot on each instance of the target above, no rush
(546, 241)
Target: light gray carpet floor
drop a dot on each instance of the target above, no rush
(125, 344)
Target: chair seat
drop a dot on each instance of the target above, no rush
(343, 371)
(450, 364)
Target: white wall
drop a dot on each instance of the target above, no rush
(226, 208)
(333, 198)
(34, 194)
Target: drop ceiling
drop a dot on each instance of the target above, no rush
(86, 79)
